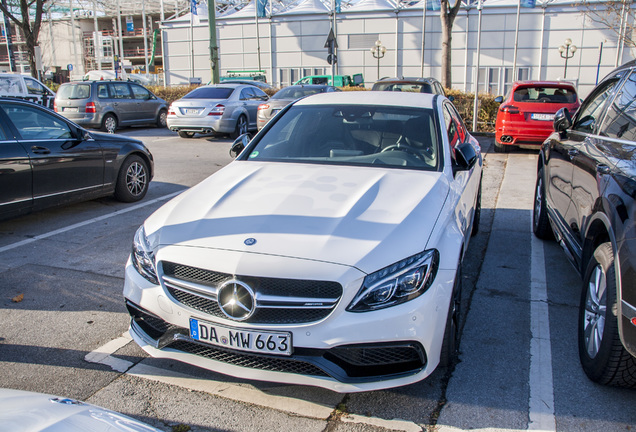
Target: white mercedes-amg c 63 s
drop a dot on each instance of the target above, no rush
(327, 254)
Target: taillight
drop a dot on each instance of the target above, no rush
(510, 109)
(90, 107)
(263, 107)
(217, 110)
(171, 110)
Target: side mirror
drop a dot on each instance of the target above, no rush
(499, 99)
(239, 145)
(465, 157)
(451, 98)
(562, 120)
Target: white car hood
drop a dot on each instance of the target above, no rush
(27, 411)
(357, 216)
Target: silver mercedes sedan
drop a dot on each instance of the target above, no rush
(219, 108)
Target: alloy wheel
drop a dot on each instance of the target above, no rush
(136, 178)
(595, 310)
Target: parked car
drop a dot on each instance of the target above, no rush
(416, 85)
(355, 80)
(27, 88)
(108, 105)
(46, 160)
(33, 412)
(526, 113)
(328, 253)
(584, 196)
(219, 108)
(284, 96)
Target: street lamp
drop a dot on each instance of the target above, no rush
(567, 52)
(378, 51)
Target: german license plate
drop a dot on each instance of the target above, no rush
(265, 342)
(540, 116)
(191, 111)
(71, 109)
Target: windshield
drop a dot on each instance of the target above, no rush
(297, 92)
(545, 94)
(352, 135)
(209, 93)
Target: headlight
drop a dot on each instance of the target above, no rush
(397, 283)
(142, 257)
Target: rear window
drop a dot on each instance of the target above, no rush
(404, 87)
(209, 93)
(74, 91)
(545, 94)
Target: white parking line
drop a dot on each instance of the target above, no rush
(86, 222)
(541, 404)
(298, 407)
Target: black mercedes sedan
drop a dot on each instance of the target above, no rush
(47, 160)
(584, 196)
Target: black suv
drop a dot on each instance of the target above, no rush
(584, 196)
(416, 85)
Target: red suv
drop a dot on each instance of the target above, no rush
(526, 113)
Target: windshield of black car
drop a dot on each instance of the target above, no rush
(296, 92)
(545, 95)
(386, 136)
(210, 93)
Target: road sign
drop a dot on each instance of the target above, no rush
(332, 59)
(331, 42)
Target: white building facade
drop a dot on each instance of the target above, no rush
(291, 43)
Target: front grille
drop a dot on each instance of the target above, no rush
(349, 363)
(280, 293)
(251, 361)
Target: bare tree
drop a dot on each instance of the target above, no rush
(617, 15)
(30, 30)
(447, 14)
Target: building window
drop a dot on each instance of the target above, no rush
(284, 77)
(362, 41)
(498, 80)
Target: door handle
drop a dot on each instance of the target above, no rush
(40, 150)
(572, 153)
(602, 169)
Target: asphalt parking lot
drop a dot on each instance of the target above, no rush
(63, 324)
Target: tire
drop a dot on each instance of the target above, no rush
(241, 127)
(184, 134)
(450, 344)
(109, 123)
(501, 148)
(477, 215)
(162, 119)
(602, 355)
(133, 180)
(540, 223)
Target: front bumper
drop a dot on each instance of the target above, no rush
(344, 352)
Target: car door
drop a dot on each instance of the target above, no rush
(568, 150)
(464, 184)
(146, 103)
(124, 104)
(39, 92)
(65, 165)
(256, 97)
(15, 176)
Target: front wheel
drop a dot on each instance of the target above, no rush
(450, 344)
(540, 223)
(133, 180)
(109, 123)
(241, 127)
(602, 355)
